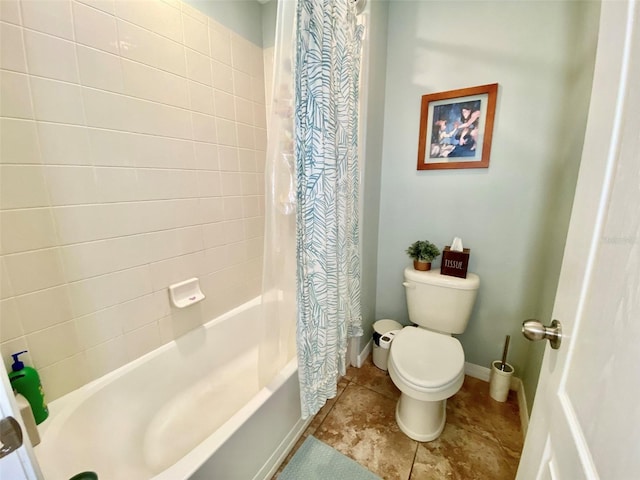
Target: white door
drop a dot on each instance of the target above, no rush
(19, 464)
(586, 417)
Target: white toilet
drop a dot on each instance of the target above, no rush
(425, 362)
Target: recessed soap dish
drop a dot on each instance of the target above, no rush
(186, 293)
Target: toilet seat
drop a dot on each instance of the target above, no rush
(427, 361)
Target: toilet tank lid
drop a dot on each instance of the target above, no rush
(433, 277)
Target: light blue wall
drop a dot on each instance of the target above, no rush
(242, 16)
(269, 19)
(372, 95)
(513, 215)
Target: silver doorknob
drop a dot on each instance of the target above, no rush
(535, 330)
(10, 436)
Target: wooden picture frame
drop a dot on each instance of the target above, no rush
(456, 128)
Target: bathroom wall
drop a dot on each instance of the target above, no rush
(372, 94)
(132, 156)
(244, 17)
(513, 215)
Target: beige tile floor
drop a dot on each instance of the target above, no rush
(481, 440)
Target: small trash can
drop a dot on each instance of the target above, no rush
(381, 352)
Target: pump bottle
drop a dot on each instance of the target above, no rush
(26, 381)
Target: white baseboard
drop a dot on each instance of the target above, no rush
(524, 411)
(359, 359)
(484, 374)
(476, 371)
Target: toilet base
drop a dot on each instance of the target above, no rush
(421, 420)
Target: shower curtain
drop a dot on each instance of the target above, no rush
(278, 336)
(326, 78)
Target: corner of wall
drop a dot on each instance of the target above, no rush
(374, 59)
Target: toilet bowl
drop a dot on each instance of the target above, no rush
(428, 368)
(425, 362)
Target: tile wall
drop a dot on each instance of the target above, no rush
(133, 139)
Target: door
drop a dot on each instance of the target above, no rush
(586, 416)
(19, 464)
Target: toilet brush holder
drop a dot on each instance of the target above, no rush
(500, 380)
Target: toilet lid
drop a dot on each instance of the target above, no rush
(427, 359)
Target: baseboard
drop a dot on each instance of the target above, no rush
(476, 371)
(484, 374)
(362, 356)
(524, 411)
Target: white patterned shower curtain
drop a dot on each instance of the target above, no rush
(326, 79)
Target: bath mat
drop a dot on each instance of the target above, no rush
(316, 460)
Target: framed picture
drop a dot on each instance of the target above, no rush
(456, 128)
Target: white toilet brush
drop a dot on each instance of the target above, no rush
(504, 353)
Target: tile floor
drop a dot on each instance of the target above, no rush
(481, 440)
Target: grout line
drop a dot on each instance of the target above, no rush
(337, 399)
(93, 127)
(367, 387)
(413, 462)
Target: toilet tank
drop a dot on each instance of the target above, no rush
(440, 302)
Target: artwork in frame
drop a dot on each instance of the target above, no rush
(456, 128)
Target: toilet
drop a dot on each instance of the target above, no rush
(425, 362)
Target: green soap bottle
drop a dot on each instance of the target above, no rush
(26, 381)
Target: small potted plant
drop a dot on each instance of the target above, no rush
(423, 252)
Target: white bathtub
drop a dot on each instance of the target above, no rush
(190, 409)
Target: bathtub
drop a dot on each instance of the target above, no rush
(189, 409)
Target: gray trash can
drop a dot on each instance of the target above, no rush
(381, 352)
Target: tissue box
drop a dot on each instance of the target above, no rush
(455, 263)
